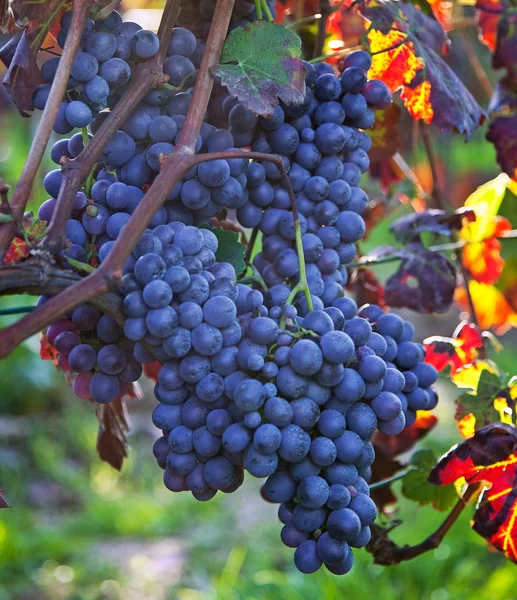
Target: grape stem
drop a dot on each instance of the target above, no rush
(343, 52)
(324, 11)
(145, 76)
(297, 288)
(386, 552)
(267, 11)
(390, 480)
(23, 188)
(258, 8)
(84, 134)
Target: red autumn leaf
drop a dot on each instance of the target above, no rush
(151, 370)
(17, 251)
(388, 449)
(456, 352)
(47, 351)
(488, 14)
(386, 172)
(3, 503)
(489, 458)
(405, 44)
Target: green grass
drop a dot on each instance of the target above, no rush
(79, 530)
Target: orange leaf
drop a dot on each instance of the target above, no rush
(406, 44)
(492, 308)
(483, 260)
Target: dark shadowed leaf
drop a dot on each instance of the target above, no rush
(230, 250)
(425, 281)
(23, 75)
(405, 44)
(489, 458)
(415, 485)
(385, 133)
(410, 227)
(502, 132)
(260, 63)
(114, 424)
(504, 53)
(8, 50)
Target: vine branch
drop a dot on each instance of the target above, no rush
(386, 552)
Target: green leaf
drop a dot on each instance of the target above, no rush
(480, 402)
(230, 250)
(416, 487)
(260, 63)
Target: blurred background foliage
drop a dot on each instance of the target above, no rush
(78, 530)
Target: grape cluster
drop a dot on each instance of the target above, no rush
(324, 148)
(247, 381)
(298, 404)
(92, 348)
(198, 14)
(101, 72)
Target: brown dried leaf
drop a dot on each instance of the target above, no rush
(114, 424)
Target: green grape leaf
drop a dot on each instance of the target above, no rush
(415, 485)
(260, 63)
(230, 250)
(481, 402)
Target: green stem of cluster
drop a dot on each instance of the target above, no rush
(84, 133)
(266, 10)
(258, 8)
(392, 479)
(301, 263)
(299, 287)
(254, 279)
(89, 182)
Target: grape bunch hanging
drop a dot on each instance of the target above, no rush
(288, 383)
